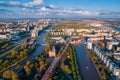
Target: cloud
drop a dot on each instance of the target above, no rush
(44, 9)
(36, 8)
(42, 13)
(82, 12)
(18, 4)
(6, 11)
(48, 8)
(11, 3)
(109, 12)
(14, 3)
(33, 4)
(52, 6)
(66, 12)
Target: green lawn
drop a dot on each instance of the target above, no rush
(60, 75)
(73, 26)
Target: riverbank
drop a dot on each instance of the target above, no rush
(92, 59)
(85, 65)
(117, 29)
(101, 68)
(16, 56)
(69, 67)
(34, 54)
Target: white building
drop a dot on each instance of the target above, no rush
(105, 59)
(89, 44)
(109, 63)
(112, 66)
(116, 71)
(102, 57)
(34, 33)
(109, 45)
(52, 52)
(3, 36)
(95, 24)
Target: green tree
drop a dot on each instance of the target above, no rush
(13, 53)
(18, 67)
(14, 76)
(1, 60)
(6, 63)
(42, 67)
(28, 63)
(27, 70)
(66, 68)
(23, 46)
(22, 54)
(7, 74)
(41, 63)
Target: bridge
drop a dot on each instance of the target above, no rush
(41, 44)
(50, 69)
(57, 61)
(53, 65)
(46, 30)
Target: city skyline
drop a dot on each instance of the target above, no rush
(59, 9)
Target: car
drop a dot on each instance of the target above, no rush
(87, 67)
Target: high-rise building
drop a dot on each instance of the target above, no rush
(52, 52)
(34, 33)
(89, 44)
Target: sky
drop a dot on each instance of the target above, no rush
(59, 8)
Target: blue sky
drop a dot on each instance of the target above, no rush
(59, 8)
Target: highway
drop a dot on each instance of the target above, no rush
(86, 67)
(17, 45)
(53, 65)
(50, 69)
(34, 54)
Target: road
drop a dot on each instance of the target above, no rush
(19, 43)
(50, 69)
(39, 48)
(53, 65)
(34, 54)
(86, 67)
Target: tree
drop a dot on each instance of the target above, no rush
(31, 66)
(49, 78)
(18, 67)
(6, 63)
(25, 50)
(28, 63)
(14, 76)
(14, 52)
(23, 46)
(66, 68)
(10, 74)
(113, 48)
(7, 74)
(41, 63)
(42, 67)
(22, 54)
(27, 70)
(1, 60)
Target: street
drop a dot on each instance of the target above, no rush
(34, 54)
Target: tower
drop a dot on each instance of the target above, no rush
(52, 52)
(89, 44)
(105, 42)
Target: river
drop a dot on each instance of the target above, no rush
(86, 67)
(39, 48)
(117, 28)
